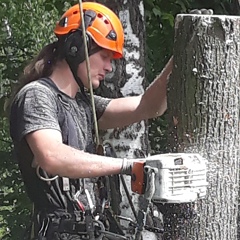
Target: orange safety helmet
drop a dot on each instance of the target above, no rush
(106, 29)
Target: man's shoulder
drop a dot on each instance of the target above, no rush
(36, 88)
(37, 84)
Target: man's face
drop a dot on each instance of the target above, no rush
(100, 65)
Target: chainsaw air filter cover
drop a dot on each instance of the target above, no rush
(178, 177)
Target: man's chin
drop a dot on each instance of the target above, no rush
(96, 85)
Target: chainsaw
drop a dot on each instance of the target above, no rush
(170, 178)
(163, 178)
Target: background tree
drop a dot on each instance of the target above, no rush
(128, 79)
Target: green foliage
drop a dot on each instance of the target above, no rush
(160, 17)
(26, 26)
(14, 204)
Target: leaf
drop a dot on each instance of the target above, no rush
(157, 12)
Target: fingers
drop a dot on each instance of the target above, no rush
(201, 11)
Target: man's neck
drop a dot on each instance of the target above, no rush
(63, 78)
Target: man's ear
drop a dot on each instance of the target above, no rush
(202, 11)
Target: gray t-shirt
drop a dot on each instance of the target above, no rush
(35, 107)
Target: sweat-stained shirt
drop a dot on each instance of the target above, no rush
(35, 107)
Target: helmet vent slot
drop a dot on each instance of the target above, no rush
(112, 35)
(105, 20)
(63, 22)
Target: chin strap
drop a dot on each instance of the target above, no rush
(73, 65)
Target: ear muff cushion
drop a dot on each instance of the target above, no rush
(74, 46)
(74, 42)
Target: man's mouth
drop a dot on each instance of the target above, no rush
(101, 77)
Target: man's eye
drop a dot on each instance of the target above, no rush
(104, 56)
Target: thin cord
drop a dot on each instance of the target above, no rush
(88, 74)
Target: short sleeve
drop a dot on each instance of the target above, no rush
(33, 108)
(101, 104)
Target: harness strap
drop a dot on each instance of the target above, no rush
(68, 135)
(50, 222)
(66, 185)
(72, 227)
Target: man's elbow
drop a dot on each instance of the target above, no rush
(49, 163)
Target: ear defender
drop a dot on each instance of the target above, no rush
(74, 42)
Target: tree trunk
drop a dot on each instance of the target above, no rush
(128, 79)
(203, 111)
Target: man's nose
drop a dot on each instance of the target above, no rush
(108, 67)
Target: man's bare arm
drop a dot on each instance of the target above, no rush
(57, 158)
(124, 111)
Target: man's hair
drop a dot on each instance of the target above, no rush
(39, 67)
(42, 65)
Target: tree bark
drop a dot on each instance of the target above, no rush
(203, 115)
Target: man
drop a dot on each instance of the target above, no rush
(51, 122)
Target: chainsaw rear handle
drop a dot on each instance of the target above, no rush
(138, 178)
